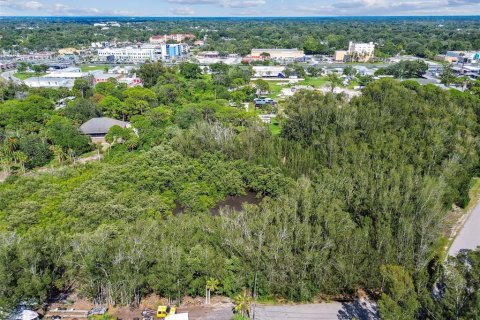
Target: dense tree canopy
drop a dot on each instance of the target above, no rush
(353, 194)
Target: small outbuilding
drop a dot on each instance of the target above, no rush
(97, 128)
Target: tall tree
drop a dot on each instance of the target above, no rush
(399, 300)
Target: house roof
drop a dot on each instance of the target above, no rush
(101, 125)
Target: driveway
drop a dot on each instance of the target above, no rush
(469, 236)
(359, 309)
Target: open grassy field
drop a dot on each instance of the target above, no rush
(314, 82)
(94, 67)
(26, 75)
(275, 89)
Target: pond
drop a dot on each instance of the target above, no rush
(236, 202)
(232, 202)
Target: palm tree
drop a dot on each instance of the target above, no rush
(58, 154)
(10, 146)
(71, 155)
(20, 158)
(212, 285)
(6, 163)
(243, 302)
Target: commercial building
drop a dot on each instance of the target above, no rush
(340, 55)
(171, 51)
(142, 54)
(361, 48)
(49, 82)
(359, 52)
(103, 44)
(62, 78)
(209, 54)
(129, 54)
(178, 37)
(68, 73)
(36, 56)
(462, 56)
(281, 54)
(268, 71)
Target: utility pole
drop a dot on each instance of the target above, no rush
(254, 296)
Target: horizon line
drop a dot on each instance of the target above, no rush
(240, 16)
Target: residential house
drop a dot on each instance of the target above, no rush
(97, 128)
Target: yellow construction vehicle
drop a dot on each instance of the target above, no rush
(164, 311)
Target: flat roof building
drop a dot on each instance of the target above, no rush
(462, 56)
(142, 54)
(340, 55)
(49, 82)
(361, 52)
(278, 53)
(178, 37)
(129, 54)
(268, 71)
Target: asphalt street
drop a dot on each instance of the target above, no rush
(469, 236)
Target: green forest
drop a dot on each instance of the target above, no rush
(354, 194)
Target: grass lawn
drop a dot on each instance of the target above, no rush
(275, 90)
(275, 127)
(353, 84)
(94, 67)
(314, 82)
(26, 75)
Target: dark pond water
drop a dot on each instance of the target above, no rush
(236, 202)
(233, 202)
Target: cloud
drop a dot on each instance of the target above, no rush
(245, 7)
(384, 7)
(58, 8)
(21, 5)
(463, 2)
(183, 11)
(222, 3)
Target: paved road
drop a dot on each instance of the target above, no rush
(8, 75)
(360, 309)
(469, 236)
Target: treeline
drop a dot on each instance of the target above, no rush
(419, 36)
(355, 195)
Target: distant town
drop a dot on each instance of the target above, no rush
(118, 60)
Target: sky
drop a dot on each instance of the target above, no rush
(224, 8)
